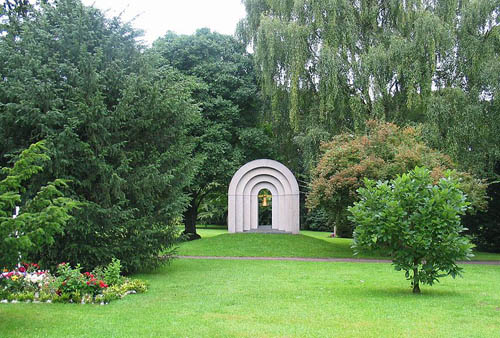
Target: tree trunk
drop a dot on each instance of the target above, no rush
(190, 216)
(416, 287)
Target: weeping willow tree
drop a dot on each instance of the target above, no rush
(329, 65)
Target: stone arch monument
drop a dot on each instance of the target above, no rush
(243, 205)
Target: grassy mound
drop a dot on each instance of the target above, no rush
(217, 242)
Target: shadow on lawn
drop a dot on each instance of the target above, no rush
(427, 292)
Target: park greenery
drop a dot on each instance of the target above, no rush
(274, 298)
(327, 67)
(416, 222)
(114, 125)
(383, 152)
(110, 146)
(227, 135)
(45, 213)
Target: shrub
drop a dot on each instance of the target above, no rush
(112, 272)
(416, 221)
(385, 151)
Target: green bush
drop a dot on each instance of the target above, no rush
(317, 220)
(112, 272)
(416, 222)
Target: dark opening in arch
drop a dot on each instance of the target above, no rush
(265, 208)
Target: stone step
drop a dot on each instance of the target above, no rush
(266, 229)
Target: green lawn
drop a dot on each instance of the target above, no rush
(308, 244)
(225, 298)
(210, 298)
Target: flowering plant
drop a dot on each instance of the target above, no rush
(23, 278)
(29, 283)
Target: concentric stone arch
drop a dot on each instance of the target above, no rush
(243, 196)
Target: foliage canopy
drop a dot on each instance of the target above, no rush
(227, 135)
(330, 65)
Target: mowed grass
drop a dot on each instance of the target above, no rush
(212, 298)
(307, 244)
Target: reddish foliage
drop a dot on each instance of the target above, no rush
(385, 151)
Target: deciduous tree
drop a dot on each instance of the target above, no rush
(416, 221)
(329, 65)
(227, 135)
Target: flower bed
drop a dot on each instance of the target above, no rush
(28, 283)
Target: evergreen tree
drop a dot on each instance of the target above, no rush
(115, 125)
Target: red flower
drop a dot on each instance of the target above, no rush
(22, 269)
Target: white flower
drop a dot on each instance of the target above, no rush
(34, 278)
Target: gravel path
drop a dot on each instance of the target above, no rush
(303, 259)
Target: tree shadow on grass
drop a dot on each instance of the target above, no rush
(427, 292)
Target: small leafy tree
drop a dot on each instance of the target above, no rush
(416, 222)
(42, 216)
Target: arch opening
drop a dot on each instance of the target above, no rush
(265, 201)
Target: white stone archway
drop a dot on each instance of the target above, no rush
(243, 207)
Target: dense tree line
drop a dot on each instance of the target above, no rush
(328, 66)
(147, 138)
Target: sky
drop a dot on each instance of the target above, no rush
(156, 17)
